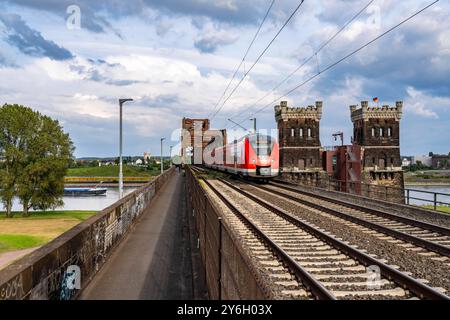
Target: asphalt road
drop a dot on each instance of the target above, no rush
(154, 261)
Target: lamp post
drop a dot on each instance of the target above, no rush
(170, 155)
(162, 162)
(254, 124)
(121, 102)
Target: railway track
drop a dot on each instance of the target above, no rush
(427, 236)
(321, 266)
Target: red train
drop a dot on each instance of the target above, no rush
(254, 155)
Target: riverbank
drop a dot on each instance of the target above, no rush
(428, 178)
(113, 171)
(443, 209)
(427, 184)
(20, 233)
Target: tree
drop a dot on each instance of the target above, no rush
(15, 135)
(37, 154)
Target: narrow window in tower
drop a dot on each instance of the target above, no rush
(389, 132)
(309, 132)
(301, 132)
(392, 161)
(292, 132)
(373, 132)
(381, 132)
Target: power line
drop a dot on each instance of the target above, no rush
(259, 57)
(245, 56)
(323, 45)
(342, 59)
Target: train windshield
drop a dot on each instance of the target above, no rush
(262, 144)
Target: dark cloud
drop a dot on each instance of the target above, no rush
(338, 12)
(229, 11)
(30, 41)
(239, 11)
(90, 19)
(413, 55)
(162, 27)
(98, 71)
(161, 100)
(122, 83)
(210, 43)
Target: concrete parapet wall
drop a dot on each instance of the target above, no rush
(228, 271)
(45, 273)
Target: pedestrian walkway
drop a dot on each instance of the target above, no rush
(154, 261)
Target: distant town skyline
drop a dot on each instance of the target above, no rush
(175, 58)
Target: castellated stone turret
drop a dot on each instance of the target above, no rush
(377, 131)
(283, 112)
(366, 112)
(299, 138)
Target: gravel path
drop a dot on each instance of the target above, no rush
(7, 258)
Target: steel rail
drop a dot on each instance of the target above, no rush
(424, 225)
(429, 245)
(317, 289)
(417, 287)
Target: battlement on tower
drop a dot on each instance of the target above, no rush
(384, 112)
(283, 112)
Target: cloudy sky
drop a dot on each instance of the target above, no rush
(175, 58)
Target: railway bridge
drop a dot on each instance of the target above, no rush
(199, 234)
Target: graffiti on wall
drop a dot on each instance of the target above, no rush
(87, 252)
(13, 289)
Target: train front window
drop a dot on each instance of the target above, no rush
(261, 144)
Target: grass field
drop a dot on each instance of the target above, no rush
(41, 227)
(428, 177)
(445, 209)
(13, 242)
(111, 171)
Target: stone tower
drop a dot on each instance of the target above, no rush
(377, 131)
(299, 141)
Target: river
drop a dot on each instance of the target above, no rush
(429, 196)
(95, 203)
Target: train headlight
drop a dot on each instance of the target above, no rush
(254, 161)
(273, 160)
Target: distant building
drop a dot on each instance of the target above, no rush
(196, 135)
(425, 160)
(440, 161)
(407, 161)
(190, 144)
(147, 156)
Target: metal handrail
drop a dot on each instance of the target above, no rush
(346, 186)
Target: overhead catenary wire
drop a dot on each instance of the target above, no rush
(244, 57)
(321, 47)
(342, 59)
(259, 58)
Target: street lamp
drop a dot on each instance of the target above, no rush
(170, 155)
(162, 163)
(254, 124)
(121, 102)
